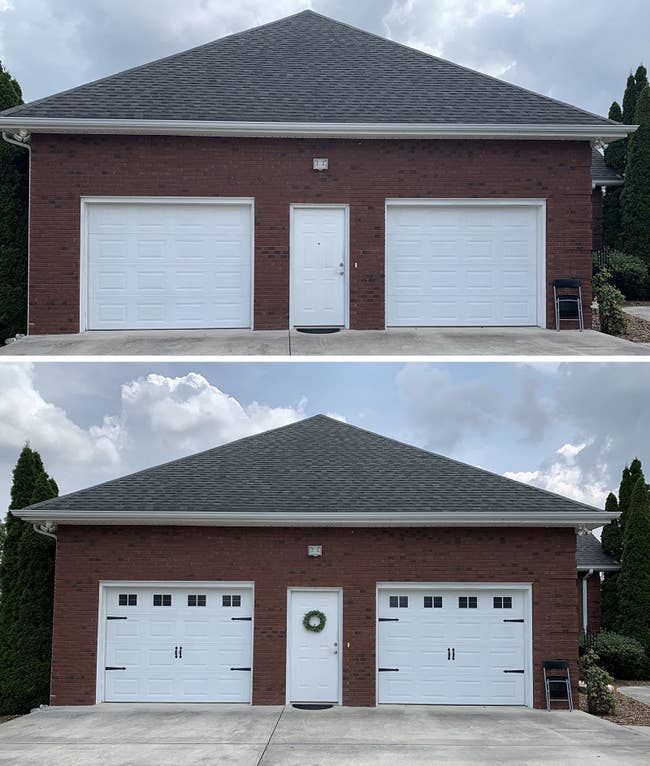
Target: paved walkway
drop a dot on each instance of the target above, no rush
(640, 693)
(430, 341)
(642, 312)
(241, 735)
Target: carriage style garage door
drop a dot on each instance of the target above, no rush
(172, 644)
(156, 265)
(464, 264)
(451, 647)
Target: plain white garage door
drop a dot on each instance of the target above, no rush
(451, 647)
(167, 266)
(178, 644)
(462, 265)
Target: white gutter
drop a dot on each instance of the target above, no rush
(585, 520)
(617, 182)
(598, 132)
(585, 624)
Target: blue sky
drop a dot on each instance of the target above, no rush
(566, 427)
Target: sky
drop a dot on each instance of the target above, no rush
(569, 427)
(574, 51)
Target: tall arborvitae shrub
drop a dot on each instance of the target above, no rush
(635, 198)
(615, 159)
(611, 542)
(14, 186)
(26, 594)
(634, 578)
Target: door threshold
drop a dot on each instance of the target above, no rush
(312, 705)
(318, 330)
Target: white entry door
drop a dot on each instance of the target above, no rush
(463, 265)
(451, 647)
(167, 644)
(313, 662)
(318, 266)
(168, 265)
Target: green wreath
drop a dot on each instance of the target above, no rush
(306, 621)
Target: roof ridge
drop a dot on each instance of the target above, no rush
(178, 460)
(464, 68)
(171, 56)
(430, 453)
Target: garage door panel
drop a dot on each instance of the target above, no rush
(169, 266)
(461, 265)
(455, 653)
(182, 650)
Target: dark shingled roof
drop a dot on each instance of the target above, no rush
(590, 554)
(316, 465)
(601, 173)
(307, 68)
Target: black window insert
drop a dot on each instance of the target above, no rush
(127, 599)
(433, 602)
(502, 602)
(467, 602)
(196, 600)
(162, 599)
(231, 600)
(398, 602)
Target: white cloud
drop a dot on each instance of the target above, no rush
(565, 476)
(26, 416)
(188, 413)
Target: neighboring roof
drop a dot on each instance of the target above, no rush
(601, 173)
(313, 470)
(308, 68)
(590, 555)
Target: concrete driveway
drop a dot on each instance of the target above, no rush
(168, 735)
(429, 341)
(639, 693)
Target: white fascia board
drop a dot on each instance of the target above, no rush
(598, 182)
(585, 520)
(595, 132)
(599, 567)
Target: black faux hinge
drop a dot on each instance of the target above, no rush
(513, 671)
(389, 619)
(240, 668)
(111, 667)
(513, 620)
(241, 619)
(388, 670)
(116, 618)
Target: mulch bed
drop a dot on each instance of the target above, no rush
(629, 712)
(637, 330)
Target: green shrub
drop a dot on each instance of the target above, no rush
(610, 300)
(629, 273)
(600, 698)
(622, 656)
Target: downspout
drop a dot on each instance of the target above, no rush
(585, 623)
(48, 530)
(22, 140)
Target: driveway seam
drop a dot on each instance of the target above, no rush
(266, 747)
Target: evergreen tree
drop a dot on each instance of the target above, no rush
(635, 198)
(14, 184)
(611, 543)
(615, 152)
(26, 594)
(629, 100)
(640, 80)
(634, 578)
(628, 481)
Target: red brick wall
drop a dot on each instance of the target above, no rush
(277, 172)
(597, 218)
(354, 559)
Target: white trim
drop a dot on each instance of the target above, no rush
(596, 132)
(538, 203)
(586, 519)
(526, 588)
(600, 567)
(87, 201)
(596, 182)
(346, 256)
(299, 589)
(105, 585)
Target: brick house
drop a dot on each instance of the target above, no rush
(434, 582)
(304, 174)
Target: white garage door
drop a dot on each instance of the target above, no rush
(451, 647)
(462, 265)
(178, 644)
(159, 266)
